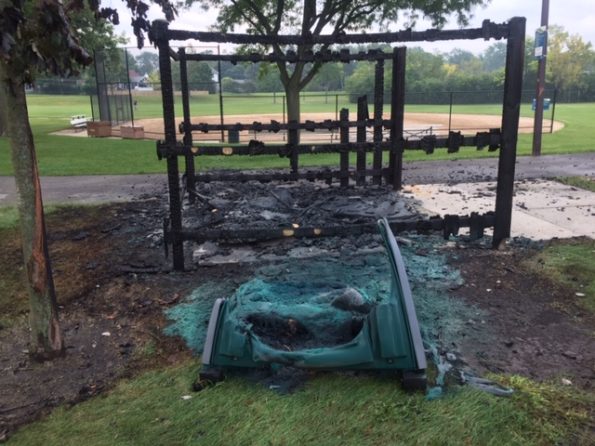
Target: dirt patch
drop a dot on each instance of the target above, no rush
(111, 315)
(416, 124)
(534, 327)
(114, 285)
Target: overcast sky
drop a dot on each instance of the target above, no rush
(576, 16)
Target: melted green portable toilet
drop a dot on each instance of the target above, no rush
(389, 338)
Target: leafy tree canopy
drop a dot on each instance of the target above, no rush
(147, 62)
(297, 16)
(43, 36)
(568, 58)
(316, 17)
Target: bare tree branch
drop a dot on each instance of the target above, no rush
(279, 16)
(262, 19)
(256, 25)
(310, 75)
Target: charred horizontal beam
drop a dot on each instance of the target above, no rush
(327, 175)
(449, 224)
(344, 56)
(259, 148)
(488, 30)
(428, 144)
(265, 177)
(275, 126)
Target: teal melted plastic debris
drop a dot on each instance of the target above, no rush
(297, 314)
(306, 290)
(323, 295)
(191, 317)
(293, 287)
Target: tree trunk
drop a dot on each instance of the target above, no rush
(292, 93)
(46, 336)
(293, 103)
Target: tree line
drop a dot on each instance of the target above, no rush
(429, 76)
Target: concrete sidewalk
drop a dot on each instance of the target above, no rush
(88, 189)
(542, 209)
(107, 188)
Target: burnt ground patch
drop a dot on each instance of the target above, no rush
(114, 284)
(538, 327)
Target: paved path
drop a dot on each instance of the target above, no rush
(88, 188)
(486, 169)
(105, 188)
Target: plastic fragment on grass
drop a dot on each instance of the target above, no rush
(485, 385)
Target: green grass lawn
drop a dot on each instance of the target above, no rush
(571, 263)
(63, 155)
(586, 183)
(331, 410)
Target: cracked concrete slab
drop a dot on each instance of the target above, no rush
(542, 209)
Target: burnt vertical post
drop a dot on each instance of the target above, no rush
(378, 106)
(362, 117)
(397, 117)
(344, 156)
(513, 82)
(293, 140)
(161, 38)
(189, 158)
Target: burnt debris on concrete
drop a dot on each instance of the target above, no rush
(388, 136)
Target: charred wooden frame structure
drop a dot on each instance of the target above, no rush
(503, 139)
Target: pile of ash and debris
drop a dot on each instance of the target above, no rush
(300, 281)
(240, 205)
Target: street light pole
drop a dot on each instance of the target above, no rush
(540, 88)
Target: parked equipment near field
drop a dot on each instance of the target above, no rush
(79, 121)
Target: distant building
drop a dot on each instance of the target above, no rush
(138, 81)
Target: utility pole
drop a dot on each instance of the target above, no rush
(540, 88)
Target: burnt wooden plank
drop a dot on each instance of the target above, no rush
(510, 127)
(262, 234)
(489, 30)
(378, 109)
(344, 154)
(189, 159)
(292, 57)
(254, 148)
(397, 117)
(362, 115)
(160, 33)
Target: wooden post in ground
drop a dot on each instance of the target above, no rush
(378, 106)
(397, 117)
(362, 116)
(344, 156)
(160, 33)
(190, 168)
(515, 54)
